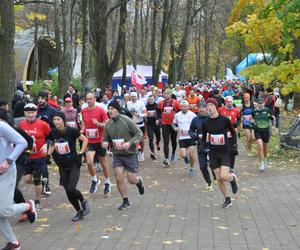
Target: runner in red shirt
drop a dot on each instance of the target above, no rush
(38, 130)
(94, 119)
(234, 115)
(166, 111)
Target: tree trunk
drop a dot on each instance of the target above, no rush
(153, 37)
(206, 42)
(164, 32)
(7, 62)
(65, 70)
(98, 25)
(85, 44)
(185, 39)
(173, 62)
(134, 33)
(198, 49)
(36, 49)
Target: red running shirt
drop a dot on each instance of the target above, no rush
(168, 110)
(38, 130)
(92, 131)
(232, 114)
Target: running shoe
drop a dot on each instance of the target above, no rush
(46, 188)
(173, 157)
(209, 187)
(233, 183)
(227, 203)
(186, 160)
(23, 218)
(85, 208)
(191, 172)
(166, 163)
(94, 186)
(141, 186)
(142, 158)
(78, 216)
(12, 246)
(262, 167)
(31, 213)
(37, 204)
(124, 205)
(265, 163)
(107, 189)
(153, 156)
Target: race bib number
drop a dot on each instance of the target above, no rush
(168, 110)
(193, 106)
(184, 132)
(217, 139)
(118, 143)
(71, 124)
(151, 113)
(62, 148)
(92, 133)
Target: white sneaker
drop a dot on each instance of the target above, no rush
(265, 163)
(142, 158)
(262, 167)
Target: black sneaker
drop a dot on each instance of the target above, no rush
(78, 216)
(46, 188)
(141, 186)
(227, 203)
(94, 186)
(37, 204)
(166, 162)
(85, 208)
(153, 156)
(124, 205)
(31, 213)
(234, 185)
(12, 246)
(107, 189)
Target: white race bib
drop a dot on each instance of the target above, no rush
(118, 143)
(168, 110)
(62, 148)
(218, 139)
(71, 124)
(92, 133)
(151, 113)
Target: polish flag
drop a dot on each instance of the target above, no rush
(160, 84)
(137, 79)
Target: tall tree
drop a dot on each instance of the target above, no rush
(85, 43)
(135, 32)
(99, 12)
(7, 62)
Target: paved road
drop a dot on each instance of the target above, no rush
(176, 212)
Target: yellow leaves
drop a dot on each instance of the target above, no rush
(112, 229)
(36, 16)
(44, 219)
(78, 228)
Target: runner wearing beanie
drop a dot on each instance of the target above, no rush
(63, 149)
(215, 129)
(123, 134)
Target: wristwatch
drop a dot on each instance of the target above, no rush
(9, 161)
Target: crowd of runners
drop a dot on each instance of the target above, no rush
(205, 119)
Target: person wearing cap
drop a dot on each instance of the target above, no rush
(63, 149)
(45, 111)
(234, 115)
(262, 117)
(94, 119)
(215, 132)
(195, 132)
(153, 128)
(247, 120)
(139, 111)
(181, 123)
(72, 118)
(166, 110)
(38, 130)
(8, 157)
(123, 134)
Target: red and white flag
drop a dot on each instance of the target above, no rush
(160, 84)
(137, 79)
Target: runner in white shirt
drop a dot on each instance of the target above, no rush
(158, 96)
(181, 123)
(179, 93)
(143, 96)
(139, 111)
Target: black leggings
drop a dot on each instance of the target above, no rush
(69, 179)
(18, 197)
(151, 131)
(167, 132)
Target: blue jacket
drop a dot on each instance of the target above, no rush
(46, 114)
(196, 130)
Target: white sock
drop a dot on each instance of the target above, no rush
(107, 181)
(94, 178)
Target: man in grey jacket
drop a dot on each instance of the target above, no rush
(124, 135)
(8, 156)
